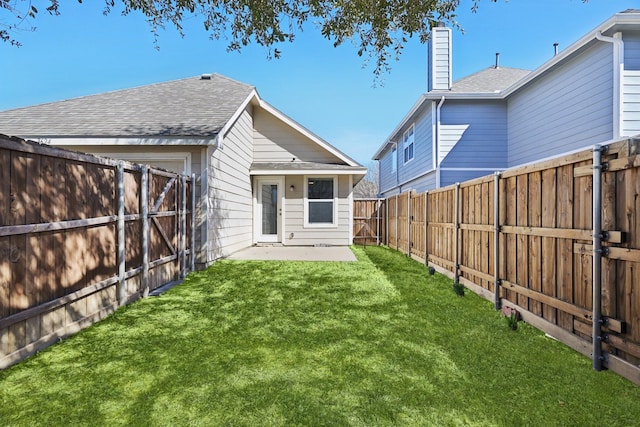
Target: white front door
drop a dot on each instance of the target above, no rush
(268, 210)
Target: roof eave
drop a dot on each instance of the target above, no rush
(355, 171)
(436, 96)
(609, 24)
(126, 140)
(390, 140)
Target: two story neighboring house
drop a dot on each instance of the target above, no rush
(503, 117)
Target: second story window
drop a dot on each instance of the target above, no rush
(407, 143)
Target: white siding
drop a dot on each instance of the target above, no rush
(275, 141)
(450, 135)
(473, 134)
(296, 234)
(439, 54)
(230, 224)
(631, 50)
(569, 109)
(631, 104)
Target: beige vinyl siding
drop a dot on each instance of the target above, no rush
(308, 236)
(230, 224)
(275, 141)
(140, 153)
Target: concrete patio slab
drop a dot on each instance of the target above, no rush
(295, 253)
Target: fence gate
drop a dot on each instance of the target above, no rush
(620, 267)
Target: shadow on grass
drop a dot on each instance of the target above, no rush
(377, 342)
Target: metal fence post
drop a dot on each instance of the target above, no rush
(193, 222)
(456, 226)
(144, 202)
(597, 257)
(426, 228)
(409, 223)
(183, 227)
(121, 291)
(496, 240)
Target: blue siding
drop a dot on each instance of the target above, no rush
(451, 177)
(484, 142)
(423, 148)
(387, 178)
(422, 184)
(568, 109)
(631, 50)
(422, 161)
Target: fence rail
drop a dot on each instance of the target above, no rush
(79, 236)
(558, 240)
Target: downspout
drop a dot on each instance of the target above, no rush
(395, 147)
(618, 68)
(436, 163)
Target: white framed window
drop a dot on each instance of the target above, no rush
(394, 159)
(408, 144)
(320, 201)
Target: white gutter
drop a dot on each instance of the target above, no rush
(618, 69)
(436, 142)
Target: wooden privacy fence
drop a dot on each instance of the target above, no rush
(368, 224)
(559, 241)
(81, 235)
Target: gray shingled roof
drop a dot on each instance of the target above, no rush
(185, 108)
(489, 80)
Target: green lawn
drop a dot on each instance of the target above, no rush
(377, 342)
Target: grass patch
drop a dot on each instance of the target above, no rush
(377, 342)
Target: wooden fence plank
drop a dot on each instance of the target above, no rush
(522, 241)
(564, 179)
(510, 240)
(535, 242)
(548, 254)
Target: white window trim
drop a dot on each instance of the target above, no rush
(306, 203)
(405, 146)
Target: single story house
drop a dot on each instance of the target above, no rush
(261, 176)
(502, 117)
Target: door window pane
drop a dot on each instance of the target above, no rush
(269, 209)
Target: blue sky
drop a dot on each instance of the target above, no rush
(328, 90)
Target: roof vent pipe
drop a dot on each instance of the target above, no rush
(497, 60)
(555, 49)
